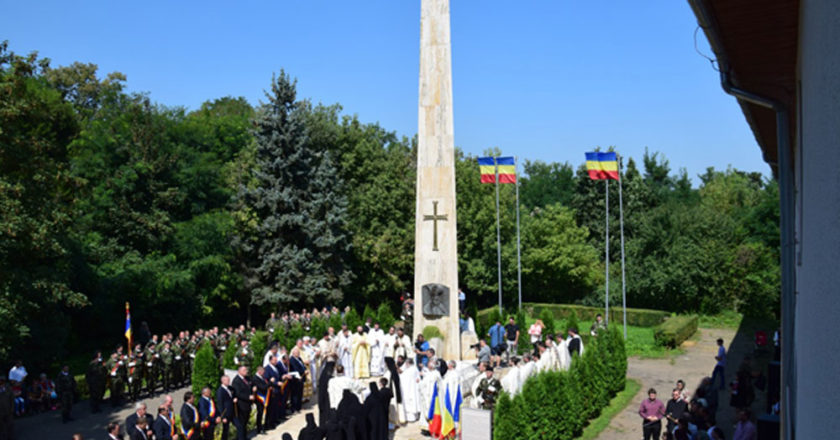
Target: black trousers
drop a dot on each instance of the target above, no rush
(207, 433)
(225, 430)
(296, 394)
(651, 430)
(260, 416)
(241, 424)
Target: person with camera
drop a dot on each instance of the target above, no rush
(497, 342)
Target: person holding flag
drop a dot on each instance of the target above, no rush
(434, 415)
(189, 417)
(262, 397)
(208, 415)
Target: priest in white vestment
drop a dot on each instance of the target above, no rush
(388, 341)
(430, 378)
(510, 382)
(410, 385)
(564, 360)
(546, 359)
(527, 368)
(377, 350)
(403, 346)
(345, 352)
(361, 354)
(337, 385)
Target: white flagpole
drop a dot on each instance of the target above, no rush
(518, 252)
(623, 278)
(498, 234)
(607, 253)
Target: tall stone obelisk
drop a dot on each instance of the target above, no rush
(436, 241)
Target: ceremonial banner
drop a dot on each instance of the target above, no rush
(506, 167)
(434, 415)
(128, 325)
(602, 165)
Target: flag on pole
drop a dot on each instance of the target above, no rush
(434, 415)
(128, 325)
(602, 166)
(447, 425)
(506, 165)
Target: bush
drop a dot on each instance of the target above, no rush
(548, 320)
(571, 322)
(206, 371)
(431, 331)
(317, 328)
(335, 322)
(384, 316)
(369, 314)
(352, 319)
(559, 404)
(229, 354)
(675, 330)
(259, 345)
(637, 317)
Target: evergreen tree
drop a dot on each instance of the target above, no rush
(206, 371)
(299, 242)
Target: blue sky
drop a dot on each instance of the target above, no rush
(543, 80)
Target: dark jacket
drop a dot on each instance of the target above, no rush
(207, 411)
(162, 429)
(188, 420)
(242, 392)
(225, 403)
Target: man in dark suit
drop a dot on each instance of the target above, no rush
(113, 430)
(138, 431)
(139, 412)
(242, 399)
(296, 365)
(224, 397)
(163, 426)
(262, 397)
(189, 417)
(208, 414)
(277, 375)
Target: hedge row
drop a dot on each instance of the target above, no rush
(675, 330)
(637, 317)
(559, 404)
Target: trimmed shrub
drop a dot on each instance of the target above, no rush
(522, 322)
(431, 331)
(384, 316)
(368, 314)
(352, 319)
(317, 328)
(259, 345)
(637, 317)
(229, 354)
(335, 322)
(548, 319)
(675, 330)
(206, 371)
(559, 404)
(571, 322)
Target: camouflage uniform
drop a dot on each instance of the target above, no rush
(489, 390)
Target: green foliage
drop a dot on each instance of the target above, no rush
(617, 404)
(368, 314)
(259, 346)
(547, 319)
(569, 399)
(229, 354)
(675, 330)
(637, 317)
(571, 322)
(300, 221)
(335, 322)
(385, 316)
(206, 371)
(431, 331)
(352, 319)
(318, 327)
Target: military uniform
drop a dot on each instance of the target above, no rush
(135, 374)
(65, 386)
(244, 356)
(95, 377)
(489, 390)
(116, 376)
(167, 359)
(151, 367)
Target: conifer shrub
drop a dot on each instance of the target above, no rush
(675, 331)
(368, 313)
(206, 371)
(548, 320)
(230, 353)
(352, 319)
(259, 345)
(571, 322)
(431, 331)
(559, 404)
(317, 328)
(385, 316)
(335, 322)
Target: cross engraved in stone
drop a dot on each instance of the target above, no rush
(435, 217)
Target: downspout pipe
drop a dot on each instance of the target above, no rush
(787, 226)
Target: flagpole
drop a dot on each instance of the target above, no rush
(623, 278)
(498, 234)
(518, 251)
(607, 252)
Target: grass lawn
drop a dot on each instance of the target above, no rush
(618, 403)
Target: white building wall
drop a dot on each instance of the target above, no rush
(817, 340)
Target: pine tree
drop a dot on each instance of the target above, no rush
(206, 371)
(298, 250)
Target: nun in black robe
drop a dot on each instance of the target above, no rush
(333, 427)
(350, 408)
(311, 431)
(323, 393)
(377, 414)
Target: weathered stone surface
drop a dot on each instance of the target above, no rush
(437, 344)
(436, 254)
(467, 340)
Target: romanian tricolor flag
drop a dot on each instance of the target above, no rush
(128, 325)
(434, 415)
(602, 165)
(506, 168)
(447, 425)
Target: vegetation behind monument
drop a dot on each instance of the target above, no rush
(107, 197)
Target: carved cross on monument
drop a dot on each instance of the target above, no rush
(434, 217)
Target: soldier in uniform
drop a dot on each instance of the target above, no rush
(135, 373)
(167, 359)
(65, 386)
(489, 389)
(95, 377)
(116, 375)
(244, 355)
(189, 355)
(151, 367)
